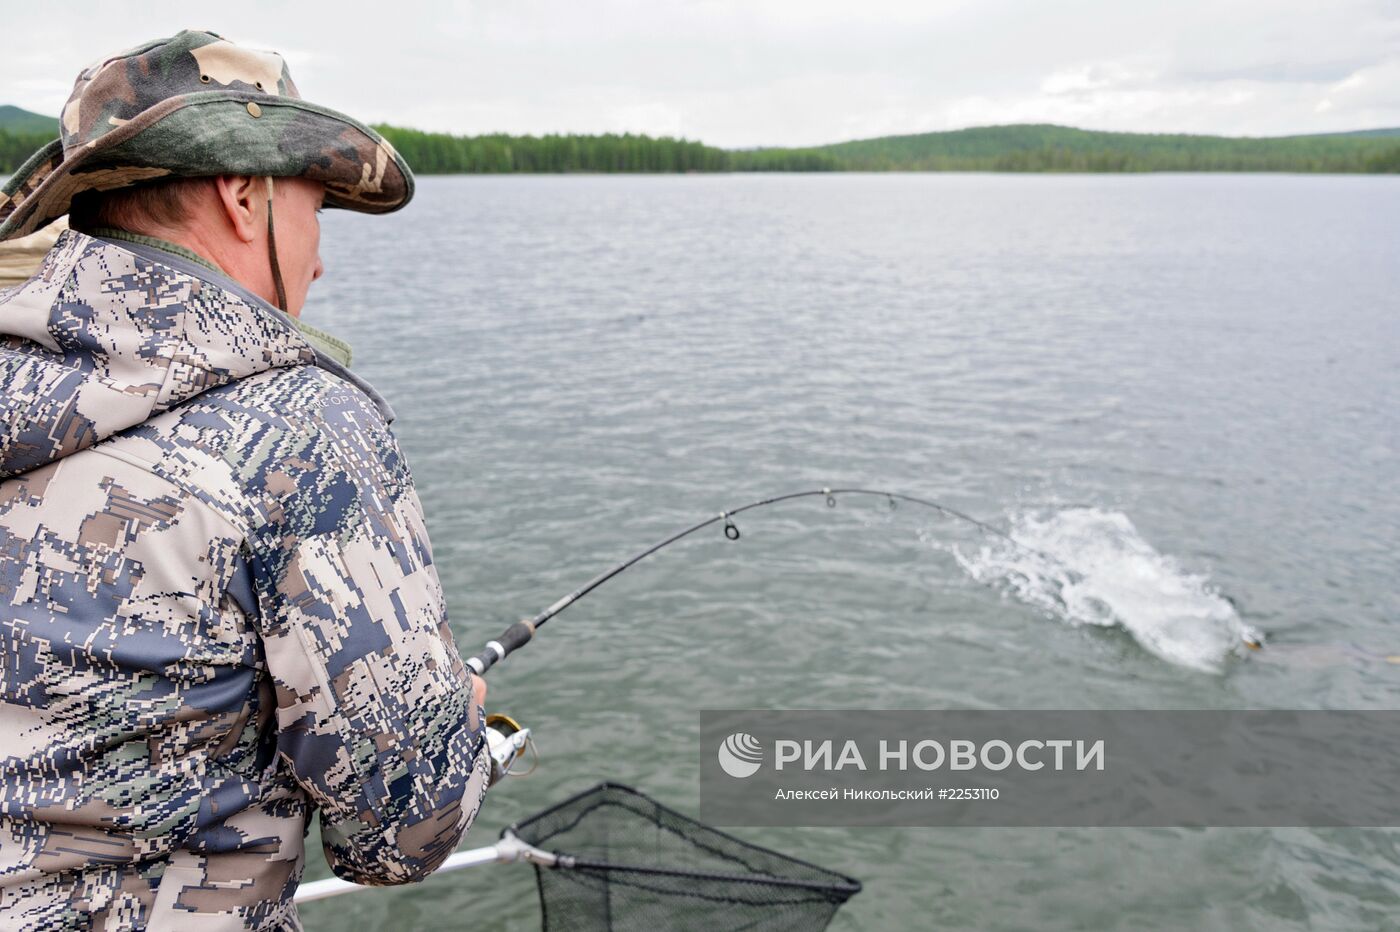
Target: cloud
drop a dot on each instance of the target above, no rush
(1370, 95)
(1096, 77)
(1222, 108)
(755, 72)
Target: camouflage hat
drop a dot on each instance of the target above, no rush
(196, 105)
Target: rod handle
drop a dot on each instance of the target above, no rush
(512, 638)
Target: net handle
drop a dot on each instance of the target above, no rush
(508, 850)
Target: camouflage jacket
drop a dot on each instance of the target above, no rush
(220, 611)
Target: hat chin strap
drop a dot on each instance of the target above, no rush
(272, 252)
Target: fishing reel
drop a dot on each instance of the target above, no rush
(507, 741)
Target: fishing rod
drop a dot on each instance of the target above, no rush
(520, 633)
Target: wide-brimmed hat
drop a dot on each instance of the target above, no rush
(196, 105)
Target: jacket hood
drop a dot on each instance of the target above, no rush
(106, 336)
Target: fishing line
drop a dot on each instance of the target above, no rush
(521, 632)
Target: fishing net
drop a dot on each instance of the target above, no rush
(629, 863)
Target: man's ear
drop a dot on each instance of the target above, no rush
(243, 200)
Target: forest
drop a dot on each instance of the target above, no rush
(1020, 148)
(1044, 147)
(439, 153)
(15, 147)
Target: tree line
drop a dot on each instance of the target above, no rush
(16, 148)
(441, 153)
(1023, 148)
(1026, 148)
(1048, 148)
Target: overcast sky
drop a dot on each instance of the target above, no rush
(776, 72)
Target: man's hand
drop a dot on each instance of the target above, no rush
(479, 689)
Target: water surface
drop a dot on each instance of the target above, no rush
(1187, 385)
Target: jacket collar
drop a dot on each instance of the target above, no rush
(320, 340)
(327, 356)
(107, 335)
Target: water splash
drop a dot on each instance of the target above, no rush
(1090, 566)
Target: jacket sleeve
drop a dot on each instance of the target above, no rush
(375, 712)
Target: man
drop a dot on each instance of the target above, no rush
(220, 610)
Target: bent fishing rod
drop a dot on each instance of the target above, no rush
(520, 633)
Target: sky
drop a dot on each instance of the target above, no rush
(741, 73)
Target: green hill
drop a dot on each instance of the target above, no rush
(21, 135)
(16, 120)
(1045, 147)
(1392, 132)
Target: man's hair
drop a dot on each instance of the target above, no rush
(142, 208)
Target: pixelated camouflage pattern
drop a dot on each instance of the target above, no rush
(221, 613)
(194, 105)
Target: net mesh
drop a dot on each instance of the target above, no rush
(641, 866)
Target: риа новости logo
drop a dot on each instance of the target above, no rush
(740, 755)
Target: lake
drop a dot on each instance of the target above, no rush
(1185, 386)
